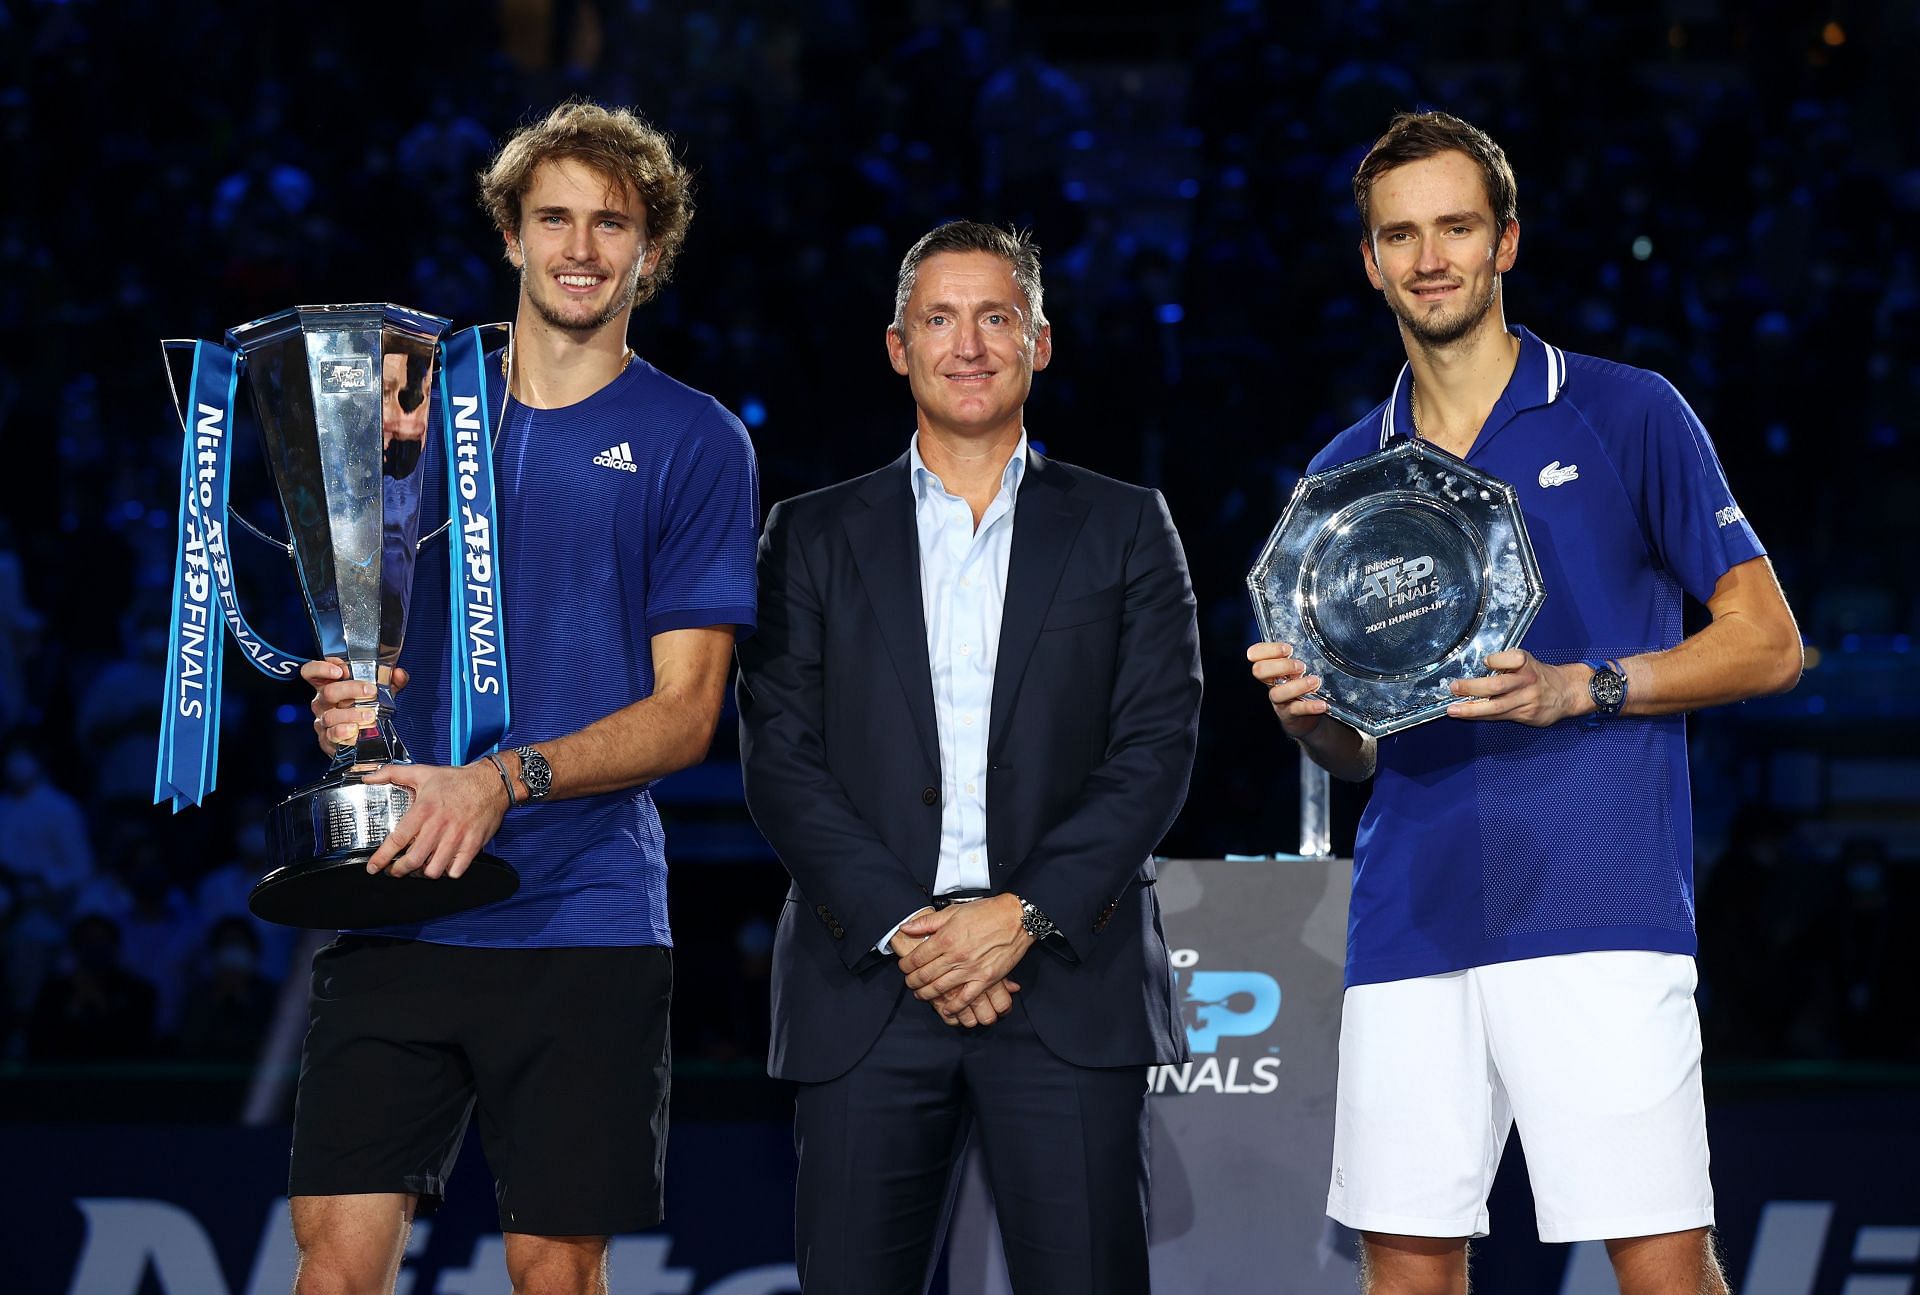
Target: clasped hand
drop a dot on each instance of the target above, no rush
(961, 956)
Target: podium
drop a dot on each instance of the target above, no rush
(1242, 1135)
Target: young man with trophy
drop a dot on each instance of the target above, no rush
(1520, 947)
(627, 521)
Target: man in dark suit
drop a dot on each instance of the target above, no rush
(968, 717)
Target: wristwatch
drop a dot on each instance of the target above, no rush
(1034, 922)
(535, 772)
(1608, 688)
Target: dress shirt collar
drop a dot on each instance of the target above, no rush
(924, 478)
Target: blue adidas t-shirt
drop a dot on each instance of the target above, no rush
(1490, 841)
(634, 512)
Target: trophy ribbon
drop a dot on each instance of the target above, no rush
(189, 756)
(480, 711)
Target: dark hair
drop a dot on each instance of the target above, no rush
(1416, 136)
(621, 146)
(1014, 246)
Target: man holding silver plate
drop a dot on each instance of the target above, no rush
(627, 523)
(1520, 941)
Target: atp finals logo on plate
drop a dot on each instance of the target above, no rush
(347, 376)
(1228, 1016)
(1398, 580)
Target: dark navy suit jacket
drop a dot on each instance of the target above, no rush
(1096, 699)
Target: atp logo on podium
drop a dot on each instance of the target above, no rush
(1228, 1015)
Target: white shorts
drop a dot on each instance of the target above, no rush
(1596, 1057)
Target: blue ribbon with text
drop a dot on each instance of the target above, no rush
(480, 710)
(204, 602)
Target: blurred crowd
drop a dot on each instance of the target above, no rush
(1733, 201)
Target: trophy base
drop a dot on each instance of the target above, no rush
(321, 838)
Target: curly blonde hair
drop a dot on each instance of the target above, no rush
(617, 143)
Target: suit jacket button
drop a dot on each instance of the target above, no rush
(929, 796)
(823, 913)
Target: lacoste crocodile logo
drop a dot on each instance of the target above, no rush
(1555, 475)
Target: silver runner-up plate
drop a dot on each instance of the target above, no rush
(1394, 575)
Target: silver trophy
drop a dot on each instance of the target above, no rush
(341, 393)
(1392, 576)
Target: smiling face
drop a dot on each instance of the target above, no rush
(1433, 250)
(582, 247)
(965, 346)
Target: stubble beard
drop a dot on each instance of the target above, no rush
(1444, 331)
(622, 301)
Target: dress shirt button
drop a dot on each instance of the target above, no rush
(966, 649)
(966, 720)
(973, 856)
(929, 796)
(973, 788)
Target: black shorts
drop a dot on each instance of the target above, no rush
(562, 1052)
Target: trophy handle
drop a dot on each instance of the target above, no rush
(169, 347)
(499, 425)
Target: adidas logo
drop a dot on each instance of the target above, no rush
(620, 457)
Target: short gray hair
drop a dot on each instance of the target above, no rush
(1014, 246)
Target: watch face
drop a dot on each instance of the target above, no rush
(535, 772)
(1609, 689)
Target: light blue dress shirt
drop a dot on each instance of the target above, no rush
(963, 589)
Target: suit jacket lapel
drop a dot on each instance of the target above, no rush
(886, 549)
(1047, 518)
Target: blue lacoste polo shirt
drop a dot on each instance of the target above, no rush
(1490, 841)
